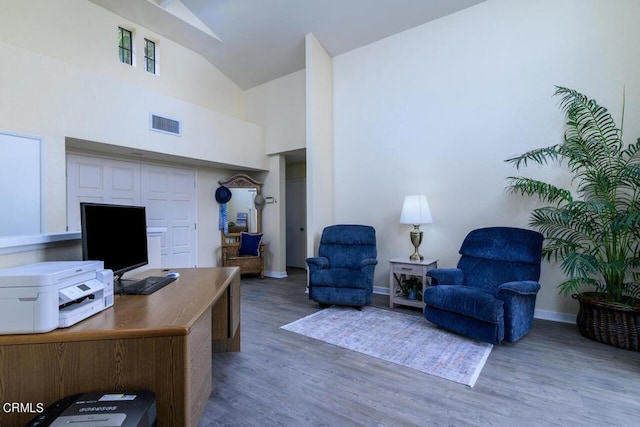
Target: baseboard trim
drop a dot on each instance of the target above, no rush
(380, 290)
(276, 274)
(553, 316)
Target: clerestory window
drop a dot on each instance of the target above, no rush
(150, 56)
(125, 46)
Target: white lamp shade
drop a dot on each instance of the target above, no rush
(415, 210)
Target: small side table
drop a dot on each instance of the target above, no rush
(401, 268)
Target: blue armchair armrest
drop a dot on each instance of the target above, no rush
(368, 262)
(446, 276)
(524, 287)
(317, 263)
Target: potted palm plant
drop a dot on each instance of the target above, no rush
(594, 230)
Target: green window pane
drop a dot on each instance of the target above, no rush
(149, 56)
(125, 56)
(125, 46)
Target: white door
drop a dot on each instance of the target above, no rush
(99, 180)
(169, 195)
(296, 213)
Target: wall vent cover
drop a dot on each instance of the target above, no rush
(165, 124)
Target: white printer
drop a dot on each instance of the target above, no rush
(41, 297)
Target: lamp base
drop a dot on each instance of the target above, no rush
(416, 240)
(416, 256)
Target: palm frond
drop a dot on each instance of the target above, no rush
(540, 156)
(546, 192)
(589, 121)
(632, 289)
(576, 284)
(632, 152)
(580, 265)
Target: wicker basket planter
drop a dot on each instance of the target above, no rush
(608, 323)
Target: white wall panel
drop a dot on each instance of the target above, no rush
(21, 184)
(437, 109)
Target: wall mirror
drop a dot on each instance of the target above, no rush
(245, 207)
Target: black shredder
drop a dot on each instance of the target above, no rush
(101, 409)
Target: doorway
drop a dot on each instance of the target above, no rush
(296, 219)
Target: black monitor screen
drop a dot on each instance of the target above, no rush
(114, 234)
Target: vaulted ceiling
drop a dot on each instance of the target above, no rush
(256, 41)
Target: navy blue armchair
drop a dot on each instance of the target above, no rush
(342, 273)
(491, 295)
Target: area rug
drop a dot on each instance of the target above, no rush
(404, 339)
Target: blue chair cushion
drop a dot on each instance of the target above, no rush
(340, 278)
(250, 244)
(506, 244)
(466, 300)
(347, 245)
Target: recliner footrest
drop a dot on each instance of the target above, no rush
(466, 301)
(339, 278)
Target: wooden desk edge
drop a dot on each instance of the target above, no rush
(80, 331)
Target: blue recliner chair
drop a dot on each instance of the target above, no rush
(491, 295)
(342, 274)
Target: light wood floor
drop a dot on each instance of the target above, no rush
(551, 377)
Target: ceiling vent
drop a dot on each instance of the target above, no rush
(165, 124)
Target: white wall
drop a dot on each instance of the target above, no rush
(319, 141)
(435, 110)
(83, 34)
(49, 97)
(60, 77)
(274, 217)
(279, 106)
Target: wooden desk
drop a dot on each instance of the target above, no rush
(160, 342)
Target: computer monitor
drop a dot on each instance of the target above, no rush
(115, 234)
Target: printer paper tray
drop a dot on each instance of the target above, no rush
(72, 314)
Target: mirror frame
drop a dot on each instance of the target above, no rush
(245, 181)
